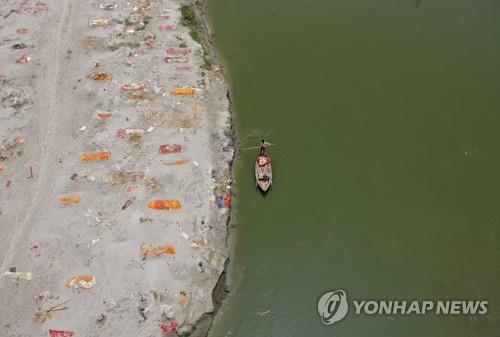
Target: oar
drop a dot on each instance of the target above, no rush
(256, 147)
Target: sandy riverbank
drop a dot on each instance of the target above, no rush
(52, 112)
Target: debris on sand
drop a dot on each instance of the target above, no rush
(155, 251)
(170, 327)
(104, 220)
(69, 199)
(165, 204)
(121, 133)
(23, 59)
(177, 162)
(10, 147)
(19, 46)
(44, 314)
(167, 27)
(183, 91)
(178, 55)
(60, 333)
(44, 296)
(128, 203)
(122, 177)
(104, 115)
(183, 297)
(37, 8)
(141, 95)
(94, 43)
(170, 148)
(100, 76)
(30, 173)
(144, 219)
(108, 7)
(18, 276)
(133, 86)
(101, 21)
(81, 282)
(95, 156)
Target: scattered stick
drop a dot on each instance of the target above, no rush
(44, 314)
(31, 173)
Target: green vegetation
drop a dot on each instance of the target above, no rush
(131, 45)
(188, 16)
(189, 20)
(207, 63)
(141, 25)
(188, 333)
(149, 37)
(194, 35)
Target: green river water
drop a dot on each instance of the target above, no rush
(386, 116)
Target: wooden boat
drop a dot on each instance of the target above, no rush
(263, 169)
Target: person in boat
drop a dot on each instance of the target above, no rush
(263, 160)
(263, 157)
(262, 147)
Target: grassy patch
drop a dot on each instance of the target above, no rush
(138, 26)
(189, 20)
(194, 35)
(149, 37)
(131, 45)
(188, 16)
(188, 333)
(207, 63)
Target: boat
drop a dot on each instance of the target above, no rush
(263, 169)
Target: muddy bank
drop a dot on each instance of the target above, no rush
(111, 114)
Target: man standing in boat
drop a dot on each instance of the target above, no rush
(263, 169)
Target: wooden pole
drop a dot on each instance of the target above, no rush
(256, 147)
